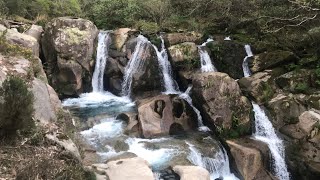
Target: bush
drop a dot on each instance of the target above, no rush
(16, 107)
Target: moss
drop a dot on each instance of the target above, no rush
(75, 35)
(266, 92)
(147, 27)
(301, 87)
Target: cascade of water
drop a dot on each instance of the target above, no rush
(265, 132)
(135, 63)
(187, 98)
(165, 66)
(245, 65)
(218, 166)
(102, 56)
(206, 64)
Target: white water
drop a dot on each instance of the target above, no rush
(245, 65)
(206, 63)
(102, 56)
(135, 63)
(155, 157)
(165, 66)
(227, 38)
(108, 128)
(218, 166)
(265, 132)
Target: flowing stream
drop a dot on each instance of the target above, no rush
(107, 136)
(206, 63)
(265, 132)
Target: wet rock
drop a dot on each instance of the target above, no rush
(164, 115)
(126, 155)
(147, 78)
(191, 172)
(219, 99)
(119, 38)
(177, 38)
(268, 60)
(68, 48)
(133, 127)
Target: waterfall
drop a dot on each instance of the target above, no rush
(187, 98)
(165, 66)
(206, 64)
(265, 132)
(135, 63)
(245, 65)
(218, 166)
(102, 56)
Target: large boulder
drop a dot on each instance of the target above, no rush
(269, 60)
(250, 158)
(228, 57)
(124, 169)
(191, 172)
(259, 86)
(220, 101)
(20, 39)
(177, 38)
(68, 48)
(185, 55)
(164, 115)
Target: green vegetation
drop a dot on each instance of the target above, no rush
(16, 107)
(301, 87)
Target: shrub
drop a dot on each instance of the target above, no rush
(16, 107)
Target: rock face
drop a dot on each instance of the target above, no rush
(219, 99)
(44, 111)
(177, 38)
(191, 172)
(249, 160)
(269, 60)
(228, 57)
(68, 47)
(184, 55)
(164, 115)
(20, 39)
(124, 169)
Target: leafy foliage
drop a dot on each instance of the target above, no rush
(16, 107)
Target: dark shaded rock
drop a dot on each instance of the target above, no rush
(228, 57)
